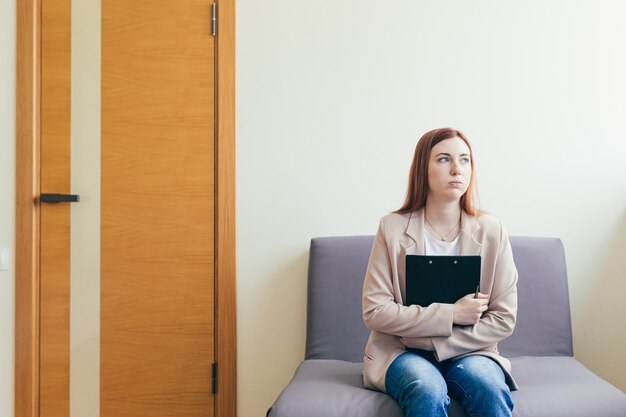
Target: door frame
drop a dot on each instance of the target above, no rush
(27, 222)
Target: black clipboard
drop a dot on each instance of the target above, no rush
(440, 279)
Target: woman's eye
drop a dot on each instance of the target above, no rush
(465, 160)
(443, 159)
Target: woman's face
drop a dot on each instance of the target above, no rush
(449, 170)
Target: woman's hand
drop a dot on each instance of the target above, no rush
(468, 310)
(424, 343)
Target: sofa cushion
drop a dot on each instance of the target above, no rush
(549, 386)
(331, 388)
(563, 387)
(543, 326)
(335, 328)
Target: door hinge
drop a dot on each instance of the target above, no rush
(214, 19)
(214, 378)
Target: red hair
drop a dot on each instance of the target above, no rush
(418, 176)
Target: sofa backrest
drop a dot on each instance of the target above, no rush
(335, 328)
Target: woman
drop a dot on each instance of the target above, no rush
(422, 356)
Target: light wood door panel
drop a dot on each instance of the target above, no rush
(157, 258)
(55, 218)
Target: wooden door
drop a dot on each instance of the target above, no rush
(157, 230)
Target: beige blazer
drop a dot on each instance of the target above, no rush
(389, 319)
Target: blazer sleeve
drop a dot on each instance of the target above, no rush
(382, 313)
(498, 321)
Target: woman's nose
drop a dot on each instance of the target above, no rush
(455, 169)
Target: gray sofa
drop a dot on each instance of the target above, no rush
(328, 383)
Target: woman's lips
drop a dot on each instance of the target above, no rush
(455, 184)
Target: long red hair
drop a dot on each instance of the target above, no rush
(418, 176)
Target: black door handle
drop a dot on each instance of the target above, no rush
(59, 198)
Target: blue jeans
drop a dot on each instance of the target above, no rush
(423, 387)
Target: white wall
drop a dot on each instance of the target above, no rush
(7, 202)
(331, 100)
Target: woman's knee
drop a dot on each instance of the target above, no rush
(480, 381)
(433, 391)
(413, 376)
(410, 367)
(423, 398)
(479, 368)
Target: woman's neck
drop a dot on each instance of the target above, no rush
(443, 214)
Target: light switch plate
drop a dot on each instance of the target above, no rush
(4, 259)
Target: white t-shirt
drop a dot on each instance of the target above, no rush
(436, 247)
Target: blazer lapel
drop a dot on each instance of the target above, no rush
(469, 226)
(415, 231)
